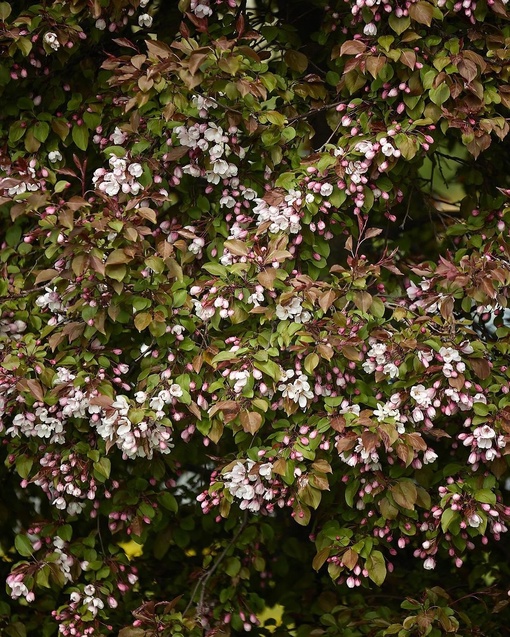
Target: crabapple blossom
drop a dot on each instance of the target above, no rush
(145, 20)
(51, 39)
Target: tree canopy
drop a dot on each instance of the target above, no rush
(254, 342)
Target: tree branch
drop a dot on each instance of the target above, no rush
(202, 582)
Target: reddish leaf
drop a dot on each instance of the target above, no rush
(421, 12)
(352, 47)
(481, 367)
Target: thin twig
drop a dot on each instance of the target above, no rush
(20, 295)
(100, 537)
(313, 112)
(202, 582)
(227, 108)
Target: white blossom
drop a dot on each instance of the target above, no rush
(135, 170)
(51, 40)
(145, 20)
(118, 136)
(474, 520)
(484, 436)
(387, 150)
(54, 156)
(370, 29)
(429, 456)
(378, 351)
(293, 311)
(391, 369)
(422, 396)
(326, 190)
(449, 355)
(140, 397)
(298, 391)
(201, 8)
(175, 390)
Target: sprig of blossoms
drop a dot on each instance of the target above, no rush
(210, 138)
(121, 178)
(254, 484)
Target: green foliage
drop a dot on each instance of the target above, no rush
(254, 332)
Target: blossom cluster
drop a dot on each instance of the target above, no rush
(254, 484)
(139, 439)
(297, 390)
(284, 217)
(121, 178)
(378, 360)
(210, 138)
(26, 177)
(376, 9)
(202, 8)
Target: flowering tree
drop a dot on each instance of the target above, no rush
(255, 266)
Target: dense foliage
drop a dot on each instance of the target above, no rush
(254, 270)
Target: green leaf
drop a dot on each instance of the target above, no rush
(75, 102)
(16, 629)
(270, 368)
(377, 308)
(288, 133)
(24, 45)
(16, 131)
(117, 272)
(66, 532)
(275, 118)
(388, 511)
(60, 186)
(118, 151)
(440, 94)
(60, 127)
(271, 136)
(399, 25)
(31, 143)
(102, 469)
(232, 566)
(486, 496)
(41, 131)
(23, 545)
(142, 320)
(447, 518)
(320, 558)
(407, 145)
(310, 496)
(42, 577)
(168, 501)
(156, 264)
(311, 362)
(350, 492)
(92, 120)
(302, 514)
(80, 135)
(376, 567)
(23, 466)
(215, 269)
(286, 181)
(5, 10)
(296, 61)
